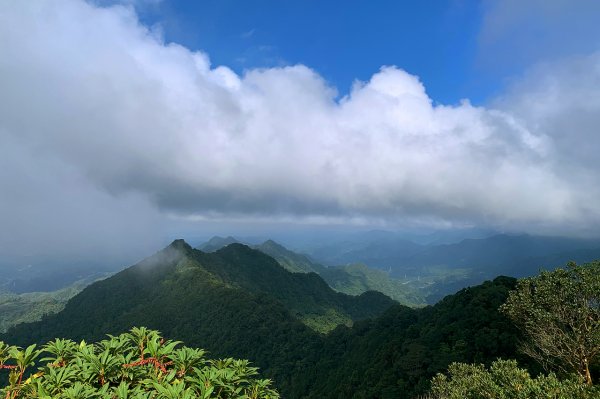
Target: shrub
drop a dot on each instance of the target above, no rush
(135, 365)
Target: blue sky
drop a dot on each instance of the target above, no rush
(342, 41)
(459, 48)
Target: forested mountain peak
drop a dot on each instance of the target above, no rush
(179, 274)
(180, 244)
(272, 244)
(292, 261)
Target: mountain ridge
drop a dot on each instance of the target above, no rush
(239, 267)
(392, 355)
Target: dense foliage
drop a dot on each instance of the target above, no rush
(397, 354)
(307, 296)
(504, 380)
(559, 312)
(137, 365)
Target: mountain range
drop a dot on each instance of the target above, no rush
(238, 301)
(351, 279)
(416, 273)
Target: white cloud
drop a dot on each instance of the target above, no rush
(153, 123)
(48, 207)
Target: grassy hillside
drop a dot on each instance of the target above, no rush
(356, 278)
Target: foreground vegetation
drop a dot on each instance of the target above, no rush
(559, 314)
(504, 380)
(135, 365)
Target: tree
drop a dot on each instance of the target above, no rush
(559, 313)
(505, 380)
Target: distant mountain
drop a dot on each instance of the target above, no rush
(342, 240)
(32, 306)
(382, 250)
(414, 274)
(515, 255)
(217, 243)
(353, 279)
(40, 276)
(405, 254)
(292, 261)
(451, 236)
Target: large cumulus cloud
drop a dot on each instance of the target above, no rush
(151, 128)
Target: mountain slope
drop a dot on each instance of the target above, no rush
(292, 261)
(236, 268)
(184, 294)
(395, 355)
(307, 296)
(352, 279)
(170, 292)
(355, 278)
(32, 306)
